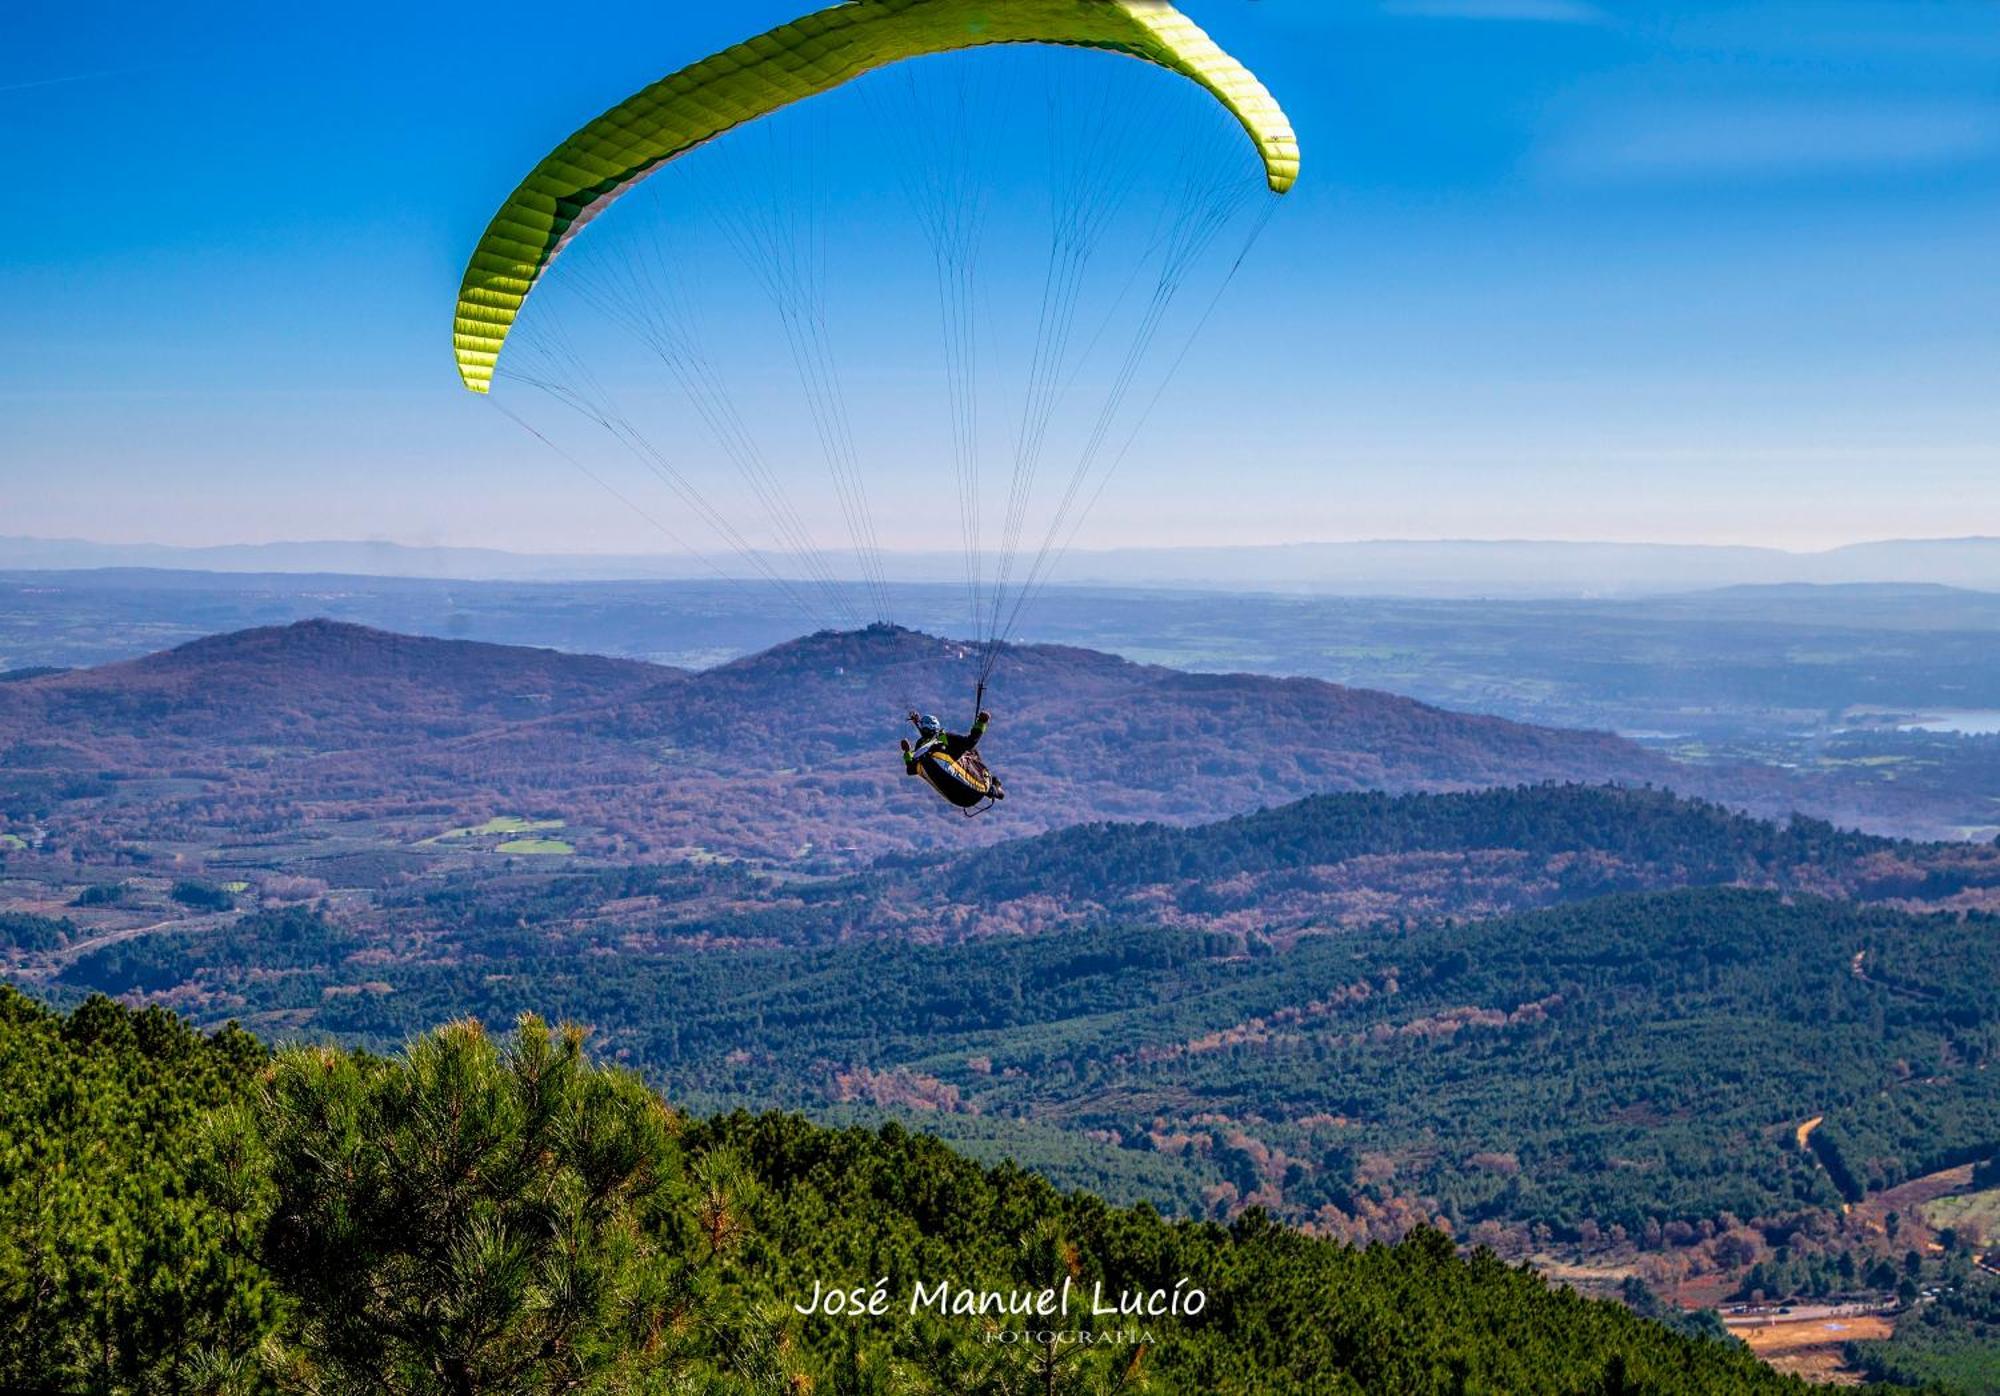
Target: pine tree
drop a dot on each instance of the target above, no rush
(474, 1217)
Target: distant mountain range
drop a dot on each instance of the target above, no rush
(1444, 568)
(315, 726)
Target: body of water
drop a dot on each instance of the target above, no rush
(1968, 722)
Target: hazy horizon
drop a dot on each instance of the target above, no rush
(1442, 568)
(1275, 544)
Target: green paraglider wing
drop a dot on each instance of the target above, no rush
(793, 62)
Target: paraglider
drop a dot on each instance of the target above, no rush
(580, 178)
(1082, 362)
(950, 763)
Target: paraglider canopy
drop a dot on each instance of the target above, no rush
(1053, 310)
(795, 61)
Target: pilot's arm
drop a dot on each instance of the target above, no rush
(955, 745)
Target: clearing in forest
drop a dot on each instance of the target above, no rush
(499, 824)
(1811, 1348)
(535, 846)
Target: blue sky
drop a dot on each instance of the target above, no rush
(1686, 272)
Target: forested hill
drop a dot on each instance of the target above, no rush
(1702, 842)
(316, 729)
(303, 690)
(1080, 735)
(1625, 1072)
(180, 1214)
(1335, 857)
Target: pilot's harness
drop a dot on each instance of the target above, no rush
(991, 782)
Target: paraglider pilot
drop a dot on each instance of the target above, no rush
(950, 762)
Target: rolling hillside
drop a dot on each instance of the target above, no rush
(1582, 1013)
(1349, 859)
(316, 728)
